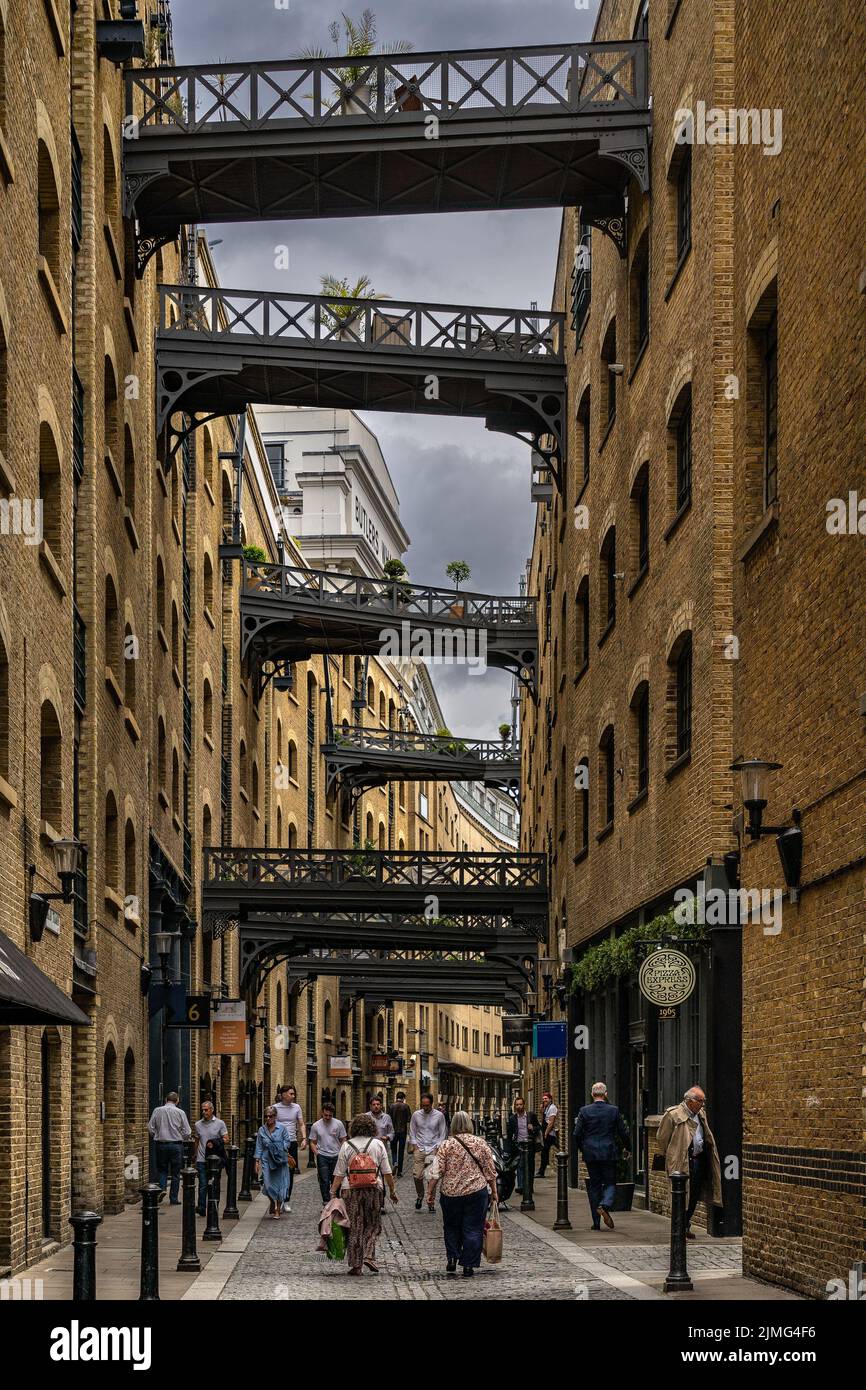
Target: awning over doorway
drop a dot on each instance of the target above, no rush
(28, 996)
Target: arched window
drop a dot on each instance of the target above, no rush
(639, 539)
(243, 764)
(112, 411)
(207, 457)
(175, 783)
(401, 1036)
(293, 836)
(50, 767)
(293, 760)
(112, 866)
(607, 778)
(584, 432)
(608, 378)
(680, 451)
(161, 755)
(255, 785)
(128, 470)
(129, 659)
(206, 826)
(207, 708)
(581, 783)
(112, 627)
(639, 298)
(371, 694)
(110, 201)
(279, 826)
(130, 874)
(641, 24)
(607, 581)
(326, 1018)
(175, 634)
(160, 592)
(640, 714)
(48, 204)
(581, 625)
(49, 489)
(679, 699)
(4, 712)
(208, 583)
(381, 707)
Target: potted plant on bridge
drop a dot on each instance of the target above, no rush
(395, 569)
(255, 556)
(459, 571)
(362, 862)
(341, 313)
(359, 83)
(505, 733)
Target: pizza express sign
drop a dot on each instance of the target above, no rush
(666, 978)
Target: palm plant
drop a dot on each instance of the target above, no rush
(340, 312)
(358, 40)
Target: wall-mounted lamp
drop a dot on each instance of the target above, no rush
(789, 838)
(68, 856)
(162, 944)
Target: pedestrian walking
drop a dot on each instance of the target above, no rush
(685, 1139)
(382, 1120)
(550, 1113)
(463, 1170)
(361, 1173)
(289, 1113)
(427, 1130)
(211, 1133)
(522, 1127)
(595, 1134)
(169, 1127)
(400, 1114)
(326, 1136)
(273, 1161)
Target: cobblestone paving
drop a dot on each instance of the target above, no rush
(281, 1261)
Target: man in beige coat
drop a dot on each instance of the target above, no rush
(687, 1142)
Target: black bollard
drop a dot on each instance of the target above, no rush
(562, 1222)
(527, 1160)
(245, 1195)
(230, 1210)
(84, 1224)
(150, 1196)
(212, 1230)
(678, 1280)
(189, 1148)
(189, 1255)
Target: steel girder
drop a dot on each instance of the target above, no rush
(535, 126)
(219, 351)
(239, 881)
(361, 758)
(288, 614)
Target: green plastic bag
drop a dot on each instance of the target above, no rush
(336, 1246)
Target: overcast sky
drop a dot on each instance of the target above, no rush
(464, 492)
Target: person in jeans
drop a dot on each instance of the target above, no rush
(400, 1117)
(550, 1113)
(169, 1127)
(595, 1134)
(211, 1133)
(289, 1114)
(427, 1130)
(463, 1170)
(326, 1136)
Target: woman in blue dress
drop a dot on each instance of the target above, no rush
(272, 1160)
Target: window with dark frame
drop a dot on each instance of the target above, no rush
(583, 793)
(642, 717)
(684, 203)
(608, 355)
(684, 699)
(642, 500)
(608, 556)
(607, 750)
(584, 418)
(684, 454)
(771, 403)
(582, 625)
(642, 306)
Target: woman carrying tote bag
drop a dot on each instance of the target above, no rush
(464, 1168)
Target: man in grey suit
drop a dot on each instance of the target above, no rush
(595, 1133)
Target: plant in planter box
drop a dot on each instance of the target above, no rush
(358, 40)
(256, 556)
(455, 745)
(362, 861)
(459, 571)
(340, 313)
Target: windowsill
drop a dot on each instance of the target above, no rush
(113, 254)
(294, 781)
(162, 799)
(208, 741)
(129, 523)
(7, 477)
(8, 794)
(113, 899)
(607, 631)
(49, 289)
(608, 430)
(129, 315)
(641, 353)
(562, 682)
(55, 574)
(176, 529)
(208, 617)
(7, 168)
(113, 473)
(161, 637)
(638, 580)
(581, 673)
(176, 822)
(257, 813)
(131, 723)
(677, 270)
(682, 761)
(603, 834)
(57, 30)
(638, 800)
(131, 920)
(175, 675)
(769, 521)
(112, 685)
(683, 511)
(672, 18)
(208, 492)
(47, 833)
(243, 793)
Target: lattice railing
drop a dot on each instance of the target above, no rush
(432, 745)
(296, 868)
(581, 79)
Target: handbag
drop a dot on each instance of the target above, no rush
(492, 1243)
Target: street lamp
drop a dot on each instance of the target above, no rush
(789, 838)
(162, 943)
(68, 854)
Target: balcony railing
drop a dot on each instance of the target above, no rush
(294, 868)
(381, 89)
(446, 746)
(380, 325)
(394, 597)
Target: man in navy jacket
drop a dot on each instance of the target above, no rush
(595, 1131)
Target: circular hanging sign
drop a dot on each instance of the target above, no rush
(666, 977)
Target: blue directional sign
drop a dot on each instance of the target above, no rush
(549, 1040)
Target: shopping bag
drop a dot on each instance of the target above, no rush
(336, 1246)
(492, 1245)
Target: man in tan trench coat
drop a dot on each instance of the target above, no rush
(687, 1142)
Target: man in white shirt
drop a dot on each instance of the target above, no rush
(428, 1129)
(209, 1130)
(326, 1136)
(169, 1127)
(289, 1114)
(550, 1122)
(382, 1120)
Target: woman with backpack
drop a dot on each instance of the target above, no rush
(363, 1168)
(463, 1168)
(273, 1161)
